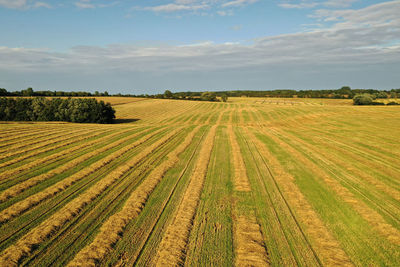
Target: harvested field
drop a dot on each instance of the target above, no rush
(250, 182)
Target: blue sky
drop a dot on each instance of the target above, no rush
(136, 46)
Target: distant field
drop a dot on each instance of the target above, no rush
(250, 182)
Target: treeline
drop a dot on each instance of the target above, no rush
(30, 92)
(343, 93)
(81, 110)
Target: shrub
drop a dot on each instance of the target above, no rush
(363, 99)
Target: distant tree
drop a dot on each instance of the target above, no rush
(363, 99)
(3, 92)
(106, 93)
(381, 95)
(224, 97)
(208, 96)
(27, 92)
(168, 94)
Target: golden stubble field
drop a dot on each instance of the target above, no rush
(250, 182)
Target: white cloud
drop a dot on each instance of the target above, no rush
(41, 4)
(299, 5)
(23, 4)
(235, 3)
(84, 5)
(13, 3)
(175, 7)
(196, 5)
(360, 38)
(339, 3)
(312, 4)
(88, 4)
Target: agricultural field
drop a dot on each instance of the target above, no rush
(249, 182)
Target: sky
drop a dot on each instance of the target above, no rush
(138, 46)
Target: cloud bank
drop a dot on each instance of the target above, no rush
(359, 40)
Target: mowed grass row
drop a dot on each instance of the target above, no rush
(141, 237)
(84, 228)
(347, 218)
(12, 172)
(86, 176)
(112, 229)
(23, 205)
(39, 234)
(23, 181)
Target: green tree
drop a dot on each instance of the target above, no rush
(224, 97)
(168, 94)
(208, 96)
(27, 92)
(363, 99)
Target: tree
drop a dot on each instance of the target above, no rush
(224, 97)
(209, 96)
(168, 94)
(27, 92)
(363, 99)
(3, 92)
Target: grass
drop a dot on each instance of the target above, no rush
(254, 181)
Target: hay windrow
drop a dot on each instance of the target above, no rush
(172, 247)
(33, 200)
(114, 226)
(61, 137)
(24, 246)
(241, 180)
(37, 162)
(18, 188)
(250, 249)
(371, 216)
(324, 243)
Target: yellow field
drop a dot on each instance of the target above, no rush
(250, 182)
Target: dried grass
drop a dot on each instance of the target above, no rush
(71, 140)
(33, 200)
(371, 216)
(24, 246)
(15, 190)
(111, 230)
(55, 139)
(241, 180)
(250, 249)
(173, 244)
(323, 241)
